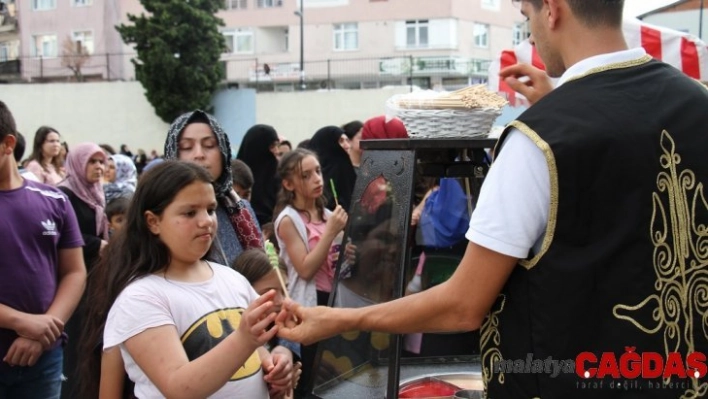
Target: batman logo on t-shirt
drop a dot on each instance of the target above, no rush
(210, 330)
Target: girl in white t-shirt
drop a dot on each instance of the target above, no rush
(184, 326)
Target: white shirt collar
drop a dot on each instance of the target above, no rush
(596, 61)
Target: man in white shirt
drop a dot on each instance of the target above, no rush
(574, 226)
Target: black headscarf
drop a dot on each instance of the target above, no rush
(223, 185)
(336, 165)
(247, 231)
(255, 152)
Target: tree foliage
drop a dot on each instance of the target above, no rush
(178, 46)
(74, 55)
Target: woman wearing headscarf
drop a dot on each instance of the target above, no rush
(197, 137)
(353, 131)
(123, 180)
(332, 148)
(84, 170)
(259, 149)
(85, 166)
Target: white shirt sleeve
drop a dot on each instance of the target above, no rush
(513, 205)
(133, 313)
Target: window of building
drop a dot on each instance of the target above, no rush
(269, 3)
(239, 41)
(520, 32)
(494, 5)
(235, 4)
(346, 36)
(44, 46)
(81, 3)
(38, 5)
(83, 40)
(481, 35)
(417, 33)
(4, 52)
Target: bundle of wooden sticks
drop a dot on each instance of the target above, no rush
(468, 98)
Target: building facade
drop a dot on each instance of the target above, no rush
(687, 16)
(345, 44)
(354, 44)
(9, 42)
(65, 40)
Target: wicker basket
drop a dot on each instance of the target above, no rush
(447, 123)
(423, 122)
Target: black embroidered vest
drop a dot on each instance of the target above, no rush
(624, 261)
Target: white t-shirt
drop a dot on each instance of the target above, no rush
(203, 313)
(512, 209)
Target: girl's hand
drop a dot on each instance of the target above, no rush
(255, 320)
(336, 221)
(279, 373)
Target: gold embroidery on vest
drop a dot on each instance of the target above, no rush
(490, 339)
(617, 65)
(680, 262)
(553, 208)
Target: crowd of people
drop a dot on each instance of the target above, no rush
(128, 278)
(130, 222)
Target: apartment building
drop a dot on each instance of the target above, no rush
(9, 42)
(64, 40)
(352, 44)
(346, 44)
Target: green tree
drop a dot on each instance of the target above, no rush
(178, 45)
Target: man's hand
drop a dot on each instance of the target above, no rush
(23, 352)
(313, 324)
(527, 80)
(43, 328)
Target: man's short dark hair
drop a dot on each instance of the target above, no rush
(242, 174)
(7, 121)
(593, 12)
(20, 146)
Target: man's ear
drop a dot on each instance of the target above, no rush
(153, 222)
(10, 141)
(552, 12)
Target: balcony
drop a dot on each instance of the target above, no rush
(7, 24)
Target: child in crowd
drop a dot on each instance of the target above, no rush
(306, 230)
(164, 298)
(259, 270)
(116, 211)
(269, 235)
(243, 179)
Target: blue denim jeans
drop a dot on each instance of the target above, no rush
(41, 381)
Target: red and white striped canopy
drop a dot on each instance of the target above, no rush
(682, 50)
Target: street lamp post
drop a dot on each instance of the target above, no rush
(700, 22)
(300, 13)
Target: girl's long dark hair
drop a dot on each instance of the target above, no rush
(290, 167)
(132, 253)
(37, 154)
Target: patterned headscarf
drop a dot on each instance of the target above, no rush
(126, 178)
(242, 221)
(76, 181)
(224, 184)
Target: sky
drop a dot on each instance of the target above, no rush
(636, 7)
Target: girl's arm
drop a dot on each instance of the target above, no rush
(112, 375)
(307, 263)
(159, 353)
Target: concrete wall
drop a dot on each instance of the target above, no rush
(114, 113)
(118, 113)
